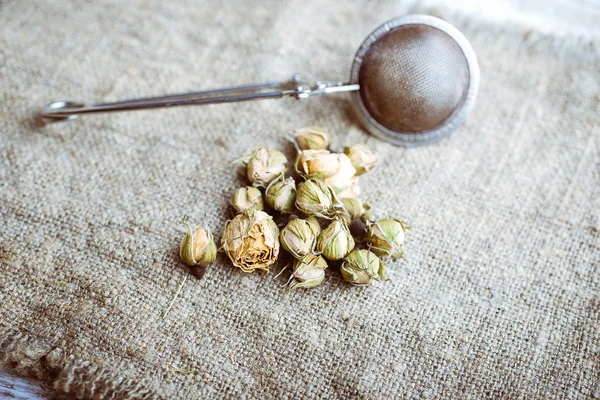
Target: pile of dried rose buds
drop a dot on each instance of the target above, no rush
(322, 220)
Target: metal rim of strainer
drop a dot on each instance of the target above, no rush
(459, 115)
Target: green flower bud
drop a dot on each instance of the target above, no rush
(299, 237)
(312, 138)
(309, 272)
(281, 194)
(368, 214)
(361, 157)
(352, 209)
(386, 237)
(314, 223)
(315, 198)
(197, 247)
(361, 267)
(263, 166)
(335, 242)
(247, 198)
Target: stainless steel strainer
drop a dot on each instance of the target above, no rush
(414, 80)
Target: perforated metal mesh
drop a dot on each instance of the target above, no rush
(413, 78)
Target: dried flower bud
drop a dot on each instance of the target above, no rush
(251, 241)
(386, 237)
(368, 214)
(349, 193)
(335, 242)
(315, 198)
(344, 181)
(314, 223)
(281, 194)
(299, 237)
(362, 158)
(312, 138)
(361, 267)
(352, 209)
(247, 198)
(263, 166)
(197, 247)
(317, 164)
(309, 272)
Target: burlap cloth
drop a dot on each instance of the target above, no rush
(498, 296)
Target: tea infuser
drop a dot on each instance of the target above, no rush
(413, 81)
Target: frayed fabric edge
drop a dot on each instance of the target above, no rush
(28, 356)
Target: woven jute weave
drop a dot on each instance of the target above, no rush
(499, 296)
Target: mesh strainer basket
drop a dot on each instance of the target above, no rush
(418, 78)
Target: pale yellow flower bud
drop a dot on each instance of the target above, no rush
(349, 193)
(247, 198)
(335, 242)
(309, 272)
(263, 166)
(281, 195)
(361, 267)
(299, 237)
(317, 164)
(197, 247)
(251, 241)
(344, 181)
(362, 158)
(386, 237)
(312, 138)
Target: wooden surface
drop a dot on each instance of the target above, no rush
(14, 387)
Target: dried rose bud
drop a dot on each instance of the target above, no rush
(312, 138)
(336, 170)
(315, 198)
(299, 237)
(368, 214)
(361, 157)
(247, 198)
(309, 272)
(251, 241)
(281, 194)
(335, 242)
(352, 208)
(344, 181)
(386, 237)
(314, 223)
(318, 164)
(349, 193)
(361, 267)
(197, 247)
(263, 166)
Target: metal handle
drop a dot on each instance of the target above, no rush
(67, 110)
